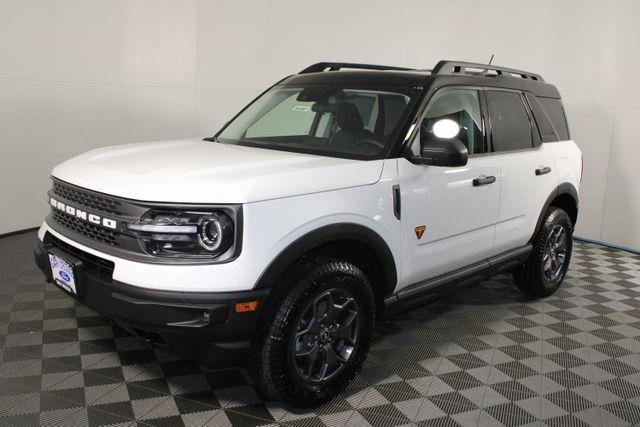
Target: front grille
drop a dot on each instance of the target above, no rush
(89, 200)
(85, 228)
(92, 264)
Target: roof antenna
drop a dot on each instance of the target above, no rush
(486, 70)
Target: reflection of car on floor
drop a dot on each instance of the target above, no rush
(342, 194)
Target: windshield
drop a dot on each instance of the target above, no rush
(321, 119)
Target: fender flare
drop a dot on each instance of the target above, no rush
(564, 188)
(329, 234)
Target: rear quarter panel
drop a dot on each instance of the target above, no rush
(569, 162)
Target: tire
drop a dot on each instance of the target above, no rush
(544, 271)
(288, 328)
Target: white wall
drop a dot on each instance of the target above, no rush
(80, 74)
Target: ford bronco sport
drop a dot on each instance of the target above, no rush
(342, 194)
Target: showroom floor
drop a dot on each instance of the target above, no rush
(487, 356)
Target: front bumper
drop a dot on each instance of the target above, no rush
(204, 327)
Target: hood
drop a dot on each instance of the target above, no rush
(196, 171)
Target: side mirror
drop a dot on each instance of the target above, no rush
(443, 152)
(440, 147)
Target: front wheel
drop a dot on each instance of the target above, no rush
(318, 332)
(547, 266)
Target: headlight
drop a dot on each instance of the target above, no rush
(210, 233)
(185, 234)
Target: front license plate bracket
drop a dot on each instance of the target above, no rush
(64, 271)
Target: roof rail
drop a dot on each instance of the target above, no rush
(335, 66)
(459, 67)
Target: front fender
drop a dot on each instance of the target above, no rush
(282, 230)
(327, 234)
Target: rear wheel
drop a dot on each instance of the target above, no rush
(545, 270)
(316, 333)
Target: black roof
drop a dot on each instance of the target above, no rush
(445, 73)
(361, 77)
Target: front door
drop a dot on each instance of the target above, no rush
(449, 214)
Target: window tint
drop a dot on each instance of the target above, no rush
(367, 107)
(394, 106)
(463, 107)
(380, 112)
(510, 123)
(554, 110)
(545, 128)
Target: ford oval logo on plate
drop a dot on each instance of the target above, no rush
(62, 273)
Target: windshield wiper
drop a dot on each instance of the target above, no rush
(211, 139)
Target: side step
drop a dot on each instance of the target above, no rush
(435, 288)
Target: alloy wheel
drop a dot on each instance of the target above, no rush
(326, 335)
(555, 253)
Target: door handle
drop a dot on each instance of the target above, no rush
(485, 180)
(543, 170)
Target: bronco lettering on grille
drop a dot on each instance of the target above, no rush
(83, 215)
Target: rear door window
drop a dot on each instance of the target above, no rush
(510, 124)
(555, 111)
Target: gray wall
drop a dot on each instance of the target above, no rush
(79, 74)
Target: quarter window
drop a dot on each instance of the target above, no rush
(510, 124)
(546, 130)
(463, 107)
(554, 109)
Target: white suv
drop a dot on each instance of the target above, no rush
(343, 193)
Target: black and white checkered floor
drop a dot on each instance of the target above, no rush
(486, 356)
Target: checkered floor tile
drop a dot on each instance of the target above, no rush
(485, 356)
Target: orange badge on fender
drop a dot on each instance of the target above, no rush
(420, 231)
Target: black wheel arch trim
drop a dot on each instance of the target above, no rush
(325, 235)
(564, 188)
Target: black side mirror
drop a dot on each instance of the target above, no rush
(443, 152)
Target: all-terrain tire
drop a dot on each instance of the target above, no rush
(273, 367)
(543, 274)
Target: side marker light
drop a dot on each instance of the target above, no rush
(246, 306)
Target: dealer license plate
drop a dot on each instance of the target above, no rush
(62, 272)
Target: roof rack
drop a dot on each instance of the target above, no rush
(335, 66)
(458, 67)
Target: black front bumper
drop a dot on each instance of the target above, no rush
(204, 327)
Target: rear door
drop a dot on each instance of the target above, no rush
(528, 167)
